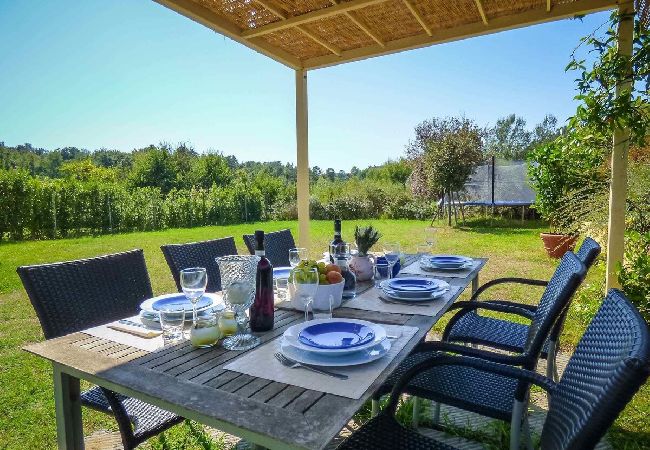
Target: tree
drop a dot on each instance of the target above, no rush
(509, 138)
(443, 156)
(153, 167)
(212, 169)
(330, 174)
(545, 131)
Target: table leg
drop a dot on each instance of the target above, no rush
(67, 404)
(475, 284)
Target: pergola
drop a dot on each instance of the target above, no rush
(310, 34)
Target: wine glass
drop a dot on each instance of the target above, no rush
(430, 237)
(193, 282)
(392, 253)
(238, 284)
(296, 255)
(305, 285)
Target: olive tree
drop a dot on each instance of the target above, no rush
(443, 155)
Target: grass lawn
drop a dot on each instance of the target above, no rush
(26, 399)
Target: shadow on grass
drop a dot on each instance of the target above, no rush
(498, 226)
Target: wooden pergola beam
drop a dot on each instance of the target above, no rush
(309, 17)
(548, 6)
(496, 24)
(418, 16)
(354, 17)
(481, 11)
(281, 15)
(215, 22)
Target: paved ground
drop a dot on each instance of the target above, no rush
(457, 417)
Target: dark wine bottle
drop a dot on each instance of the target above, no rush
(335, 245)
(261, 311)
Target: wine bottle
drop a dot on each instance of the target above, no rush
(261, 311)
(335, 245)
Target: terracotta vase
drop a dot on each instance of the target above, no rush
(362, 266)
(557, 245)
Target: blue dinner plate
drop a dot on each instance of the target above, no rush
(413, 284)
(336, 335)
(176, 302)
(281, 272)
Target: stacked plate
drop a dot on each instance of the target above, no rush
(413, 289)
(149, 309)
(445, 262)
(335, 342)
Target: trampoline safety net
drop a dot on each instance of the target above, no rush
(499, 183)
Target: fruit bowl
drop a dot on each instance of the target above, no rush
(322, 296)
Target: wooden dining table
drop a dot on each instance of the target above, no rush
(193, 383)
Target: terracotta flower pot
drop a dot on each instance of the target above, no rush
(557, 245)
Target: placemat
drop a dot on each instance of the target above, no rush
(261, 363)
(370, 301)
(414, 269)
(121, 337)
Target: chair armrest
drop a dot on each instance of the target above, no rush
(498, 281)
(441, 359)
(526, 306)
(448, 347)
(497, 306)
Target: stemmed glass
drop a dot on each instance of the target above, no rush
(193, 282)
(296, 255)
(392, 253)
(430, 237)
(238, 284)
(305, 285)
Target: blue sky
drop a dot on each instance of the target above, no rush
(127, 73)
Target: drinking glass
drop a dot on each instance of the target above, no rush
(281, 288)
(193, 282)
(238, 284)
(392, 253)
(430, 237)
(323, 310)
(296, 255)
(381, 271)
(171, 323)
(305, 284)
(424, 250)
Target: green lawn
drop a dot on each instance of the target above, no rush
(26, 402)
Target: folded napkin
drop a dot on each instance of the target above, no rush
(134, 328)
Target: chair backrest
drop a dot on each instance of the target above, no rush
(556, 297)
(74, 295)
(610, 363)
(199, 254)
(277, 245)
(588, 252)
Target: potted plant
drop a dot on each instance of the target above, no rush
(361, 263)
(555, 169)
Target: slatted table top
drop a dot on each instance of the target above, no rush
(192, 382)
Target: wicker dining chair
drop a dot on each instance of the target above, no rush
(467, 326)
(492, 395)
(277, 245)
(199, 254)
(75, 295)
(610, 363)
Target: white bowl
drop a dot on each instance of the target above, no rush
(322, 296)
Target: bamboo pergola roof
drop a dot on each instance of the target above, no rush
(309, 34)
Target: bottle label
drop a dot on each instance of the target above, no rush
(260, 253)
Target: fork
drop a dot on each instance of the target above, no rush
(287, 362)
(385, 300)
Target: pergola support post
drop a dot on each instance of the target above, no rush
(621, 142)
(302, 158)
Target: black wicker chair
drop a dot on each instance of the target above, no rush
(609, 365)
(71, 296)
(199, 254)
(493, 395)
(470, 327)
(277, 245)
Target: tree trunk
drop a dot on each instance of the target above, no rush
(449, 208)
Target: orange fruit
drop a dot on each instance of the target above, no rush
(334, 277)
(332, 267)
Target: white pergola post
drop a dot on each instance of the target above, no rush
(621, 142)
(302, 158)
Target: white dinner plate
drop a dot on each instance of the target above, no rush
(291, 337)
(429, 297)
(350, 359)
(148, 313)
